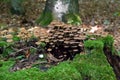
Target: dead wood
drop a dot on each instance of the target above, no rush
(114, 61)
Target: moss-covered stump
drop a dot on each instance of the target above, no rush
(112, 55)
(94, 67)
(103, 48)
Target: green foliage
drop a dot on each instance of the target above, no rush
(116, 14)
(3, 43)
(33, 50)
(7, 48)
(42, 45)
(16, 38)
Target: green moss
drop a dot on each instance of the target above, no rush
(45, 19)
(64, 71)
(94, 45)
(108, 41)
(72, 18)
(99, 43)
(28, 74)
(91, 71)
(94, 66)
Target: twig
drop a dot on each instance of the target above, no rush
(41, 62)
(16, 53)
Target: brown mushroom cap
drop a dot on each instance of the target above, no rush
(66, 42)
(60, 40)
(74, 46)
(66, 46)
(75, 50)
(51, 43)
(42, 40)
(49, 49)
(60, 36)
(71, 34)
(46, 40)
(80, 45)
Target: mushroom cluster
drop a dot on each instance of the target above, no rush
(64, 41)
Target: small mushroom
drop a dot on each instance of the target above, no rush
(66, 42)
(60, 40)
(66, 46)
(75, 50)
(74, 46)
(49, 49)
(60, 36)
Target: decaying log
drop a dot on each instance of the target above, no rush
(114, 61)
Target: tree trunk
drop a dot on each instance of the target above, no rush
(61, 10)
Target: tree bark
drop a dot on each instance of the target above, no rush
(114, 61)
(61, 10)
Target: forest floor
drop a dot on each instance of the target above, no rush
(7, 20)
